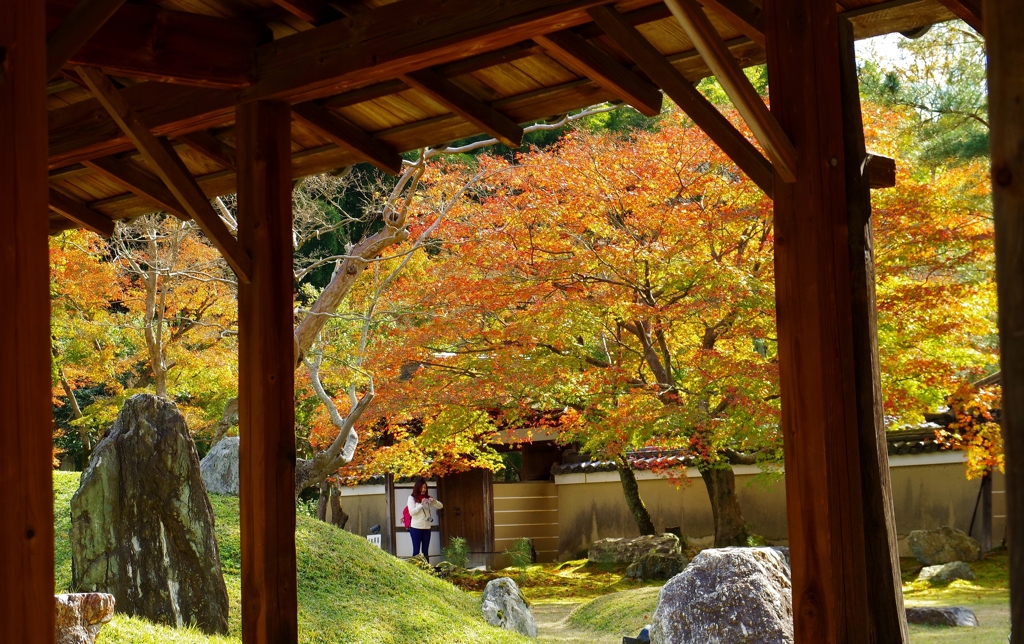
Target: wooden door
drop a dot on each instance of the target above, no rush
(468, 511)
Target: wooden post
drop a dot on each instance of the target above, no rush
(266, 355)
(885, 601)
(816, 327)
(986, 512)
(1003, 19)
(26, 421)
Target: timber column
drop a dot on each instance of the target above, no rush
(819, 326)
(1003, 19)
(26, 415)
(266, 384)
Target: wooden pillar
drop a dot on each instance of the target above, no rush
(885, 598)
(266, 364)
(986, 512)
(1003, 19)
(26, 421)
(817, 326)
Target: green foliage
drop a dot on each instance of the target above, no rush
(715, 93)
(457, 551)
(521, 553)
(622, 613)
(755, 540)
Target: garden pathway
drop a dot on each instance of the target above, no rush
(553, 628)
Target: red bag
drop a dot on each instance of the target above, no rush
(406, 517)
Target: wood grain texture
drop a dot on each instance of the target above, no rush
(138, 181)
(312, 11)
(210, 147)
(736, 84)
(266, 413)
(815, 319)
(742, 15)
(75, 30)
(469, 107)
(160, 155)
(1006, 115)
(344, 134)
(705, 115)
(26, 418)
(81, 214)
(577, 54)
(969, 11)
(881, 171)
(885, 599)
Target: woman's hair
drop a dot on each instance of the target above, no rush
(419, 490)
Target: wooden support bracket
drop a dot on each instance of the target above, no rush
(466, 105)
(81, 214)
(575, 52)
(168, 166)
(346, 135)
(969, 11)
(75, 30)
(139, 181)
(713, 50)
(705, 115)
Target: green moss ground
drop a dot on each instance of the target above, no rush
(349, 591)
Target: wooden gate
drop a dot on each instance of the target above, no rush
(468, 512)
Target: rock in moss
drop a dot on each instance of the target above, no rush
(220, 467)
(626, 551)
(142, 525)
(943, 545)
(80, 616)
(946, 572)
(505, 606)
(656, 566)
(942, 616)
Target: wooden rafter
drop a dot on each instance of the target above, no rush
(139, 181)
(736, 84)
(686, 96)
(576, 53)
(346, 135)
(210, 147)
(168, 166)
(75, 30)
(81, 214)
(144, 41)
(312, 11)
(742, 15)
(466, 105)
(881, 171)
(967, 10)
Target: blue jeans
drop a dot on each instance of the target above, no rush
(420, 542)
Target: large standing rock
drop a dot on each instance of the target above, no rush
(946, 572)
(727, 596)
(655, 566)
(943, 545)
(505, 607)
(80, 616)
(220, 467)
(142, 525)
(626, 551)
(942, 616)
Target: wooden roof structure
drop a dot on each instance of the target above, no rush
(110, 109)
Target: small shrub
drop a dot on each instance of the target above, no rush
(521, 553)
(756, 541)
(457, 552)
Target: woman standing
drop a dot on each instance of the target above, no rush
(419, 505)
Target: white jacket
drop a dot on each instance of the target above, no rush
(420, 512)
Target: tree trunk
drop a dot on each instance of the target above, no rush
(328, 507)
(227, 419)
(633, 501)
(725, 506)
(83, 431)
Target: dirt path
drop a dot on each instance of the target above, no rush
(553, 628)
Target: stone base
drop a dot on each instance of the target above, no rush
(80, 616)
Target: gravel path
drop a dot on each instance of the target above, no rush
(553, 628)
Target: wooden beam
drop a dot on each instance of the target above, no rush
(1005, 46)
(881, 171)
(210, 147)
(26, 411)
(469, 107)
(742, 15)
(266, 412)
(705, 115)
(577, 54)
(312, 11)
(816, 331)
(736, 84)
(969, 11)
(144, 41)
(168, 166)
(75, 30)
(81, 214)
(139, 181)
(885, 597)
(346, 135)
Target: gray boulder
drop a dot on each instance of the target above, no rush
(656, 566)
(142, 525)
(727, 596)
(505, 607)
(943, 545)
(80, 616)
(946, 616)
(220, 467)
(946, 572)
(626, 551)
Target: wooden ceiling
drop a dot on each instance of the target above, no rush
(367, 80)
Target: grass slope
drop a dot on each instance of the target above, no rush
(349, 591)
(622, 613)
